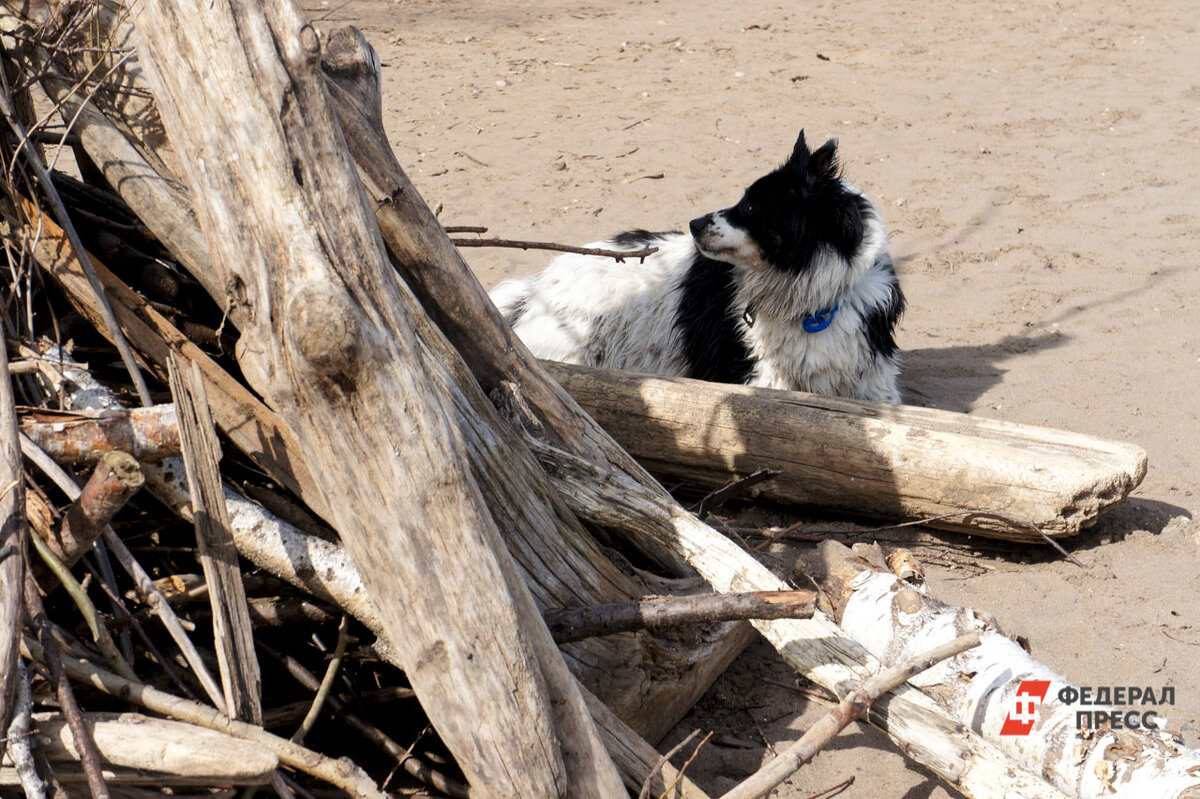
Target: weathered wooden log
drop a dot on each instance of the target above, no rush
(894, 619)
(74, 439)
(240, 675)
(116, 478)
(12, 543)
(892, 462)
(330, 341)
(138, 749)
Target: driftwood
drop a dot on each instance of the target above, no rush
(854, 706)
(340, 773)
(655, 613)
(73, 439)
(12, 543)
(894, 619)
(330, 341)
(240, 677)
(650, 684)
(116, 478)
(895, 462)
(275, 364)
(137, 749)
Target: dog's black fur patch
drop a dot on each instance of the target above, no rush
(708, 327)
(880, 320)
(800, 207)
(639, 238)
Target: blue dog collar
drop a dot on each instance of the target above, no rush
(814, 322)
(817, 321)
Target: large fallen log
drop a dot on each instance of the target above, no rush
(895, 462)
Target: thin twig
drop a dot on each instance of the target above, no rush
(662, 761)
(86, 607)
(85, 261)
(856, 703)
(829, 793)
(331, 671)
(20, 733)
(714, 499)
(619, 255)
(145, 585)
(340, 773)
(415, 766)
(683, 769)
(49, 654)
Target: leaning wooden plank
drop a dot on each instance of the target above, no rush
(172, 752)
(894, 462)
(331, 344)
(983, 688)
(12, 544)
(233, 639)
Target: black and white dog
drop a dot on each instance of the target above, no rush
(791, 288)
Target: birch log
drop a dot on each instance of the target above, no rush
(895, 620)
(329, 340)
(894, 462)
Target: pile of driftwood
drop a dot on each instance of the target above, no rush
(410, 507)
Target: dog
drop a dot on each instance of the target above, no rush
(791, 288)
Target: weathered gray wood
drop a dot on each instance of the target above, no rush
(329, 341)
(815, 647)
(234, 639)
(171, 752)
(77, 439)
(115, 479)
(12, 543)
(650, 684)
(893, 462)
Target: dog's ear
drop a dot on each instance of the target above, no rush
(823, 162)
(799, 152)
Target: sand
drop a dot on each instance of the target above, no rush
(1037, 166)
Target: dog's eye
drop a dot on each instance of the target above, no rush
(749, 209)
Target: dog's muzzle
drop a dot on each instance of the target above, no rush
(700, 224)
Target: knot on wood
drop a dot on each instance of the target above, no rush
(325, 331)
(310, 44)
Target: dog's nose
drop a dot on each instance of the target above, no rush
(698, 224)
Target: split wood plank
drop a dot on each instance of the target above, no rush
(240, 676)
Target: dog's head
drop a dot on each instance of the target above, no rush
(789, 218)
